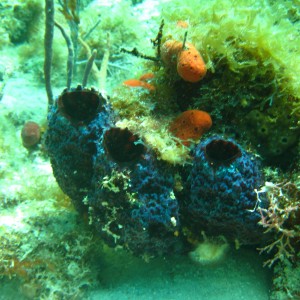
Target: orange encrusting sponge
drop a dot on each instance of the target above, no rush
(191, 124)
(190, 64)
(139, 83)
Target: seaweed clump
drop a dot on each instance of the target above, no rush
(249, 68)
(24, 21)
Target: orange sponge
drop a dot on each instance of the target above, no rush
(191, 124)
(169, 52)
(30, 134)
(139, 83)
(189, 63)
(147, 76)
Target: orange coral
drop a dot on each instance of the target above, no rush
(191, 124)
(189, 63)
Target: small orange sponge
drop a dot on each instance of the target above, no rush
(139, 83)
(189, 63)
(191, 124)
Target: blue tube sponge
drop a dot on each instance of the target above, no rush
(154, 187)
(156, 213)
(222, 198)
(137, 209)
(76, 122)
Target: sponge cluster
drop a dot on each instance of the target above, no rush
(132, 198)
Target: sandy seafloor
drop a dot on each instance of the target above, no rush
(240, 277)
(28, 192)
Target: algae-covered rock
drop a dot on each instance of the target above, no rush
(24, 20)
(272, 134)
(251, 39)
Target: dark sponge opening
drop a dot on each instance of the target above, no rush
(122, 145)
(80, 105)
(222, 152)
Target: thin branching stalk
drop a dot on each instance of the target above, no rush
(88, 67)
(48, 41)
(70, 61)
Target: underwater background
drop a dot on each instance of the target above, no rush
(149, 149)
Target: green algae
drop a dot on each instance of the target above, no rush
(252, 36)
